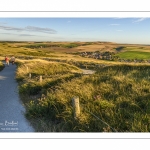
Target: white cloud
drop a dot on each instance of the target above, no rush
(28, 28)
(20, 34)
(120, 18)
(39, 29)
(68, 21)
(139, 20)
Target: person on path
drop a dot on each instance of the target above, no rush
(7, 60)
(12, 60)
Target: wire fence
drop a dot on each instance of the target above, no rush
(40, 78)
(101, 120)
(77, 106)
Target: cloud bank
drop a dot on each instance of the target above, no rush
(20, 34)
(28, 29)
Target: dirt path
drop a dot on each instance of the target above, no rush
(12, 111)
(85, 71)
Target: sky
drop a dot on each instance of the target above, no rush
(119, 30)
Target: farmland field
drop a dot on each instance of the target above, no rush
(135, 55)
(114, 99)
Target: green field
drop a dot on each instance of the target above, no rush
(134, 55)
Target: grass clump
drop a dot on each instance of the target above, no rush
(1, 66)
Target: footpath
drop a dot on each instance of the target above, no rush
(12, 118)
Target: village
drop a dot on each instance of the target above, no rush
(110, 56)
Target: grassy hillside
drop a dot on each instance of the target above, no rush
(134, 52)
(52, 73)
(66, 49)
(116, 98)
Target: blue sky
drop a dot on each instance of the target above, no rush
(119, 30)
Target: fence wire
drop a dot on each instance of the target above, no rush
(99, 118)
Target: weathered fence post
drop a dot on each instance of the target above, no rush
(27, 68)
(86, 66)
(76, 107)
(40, 78)
(30, 75)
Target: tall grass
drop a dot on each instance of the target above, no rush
(116, 98)
(52, 74)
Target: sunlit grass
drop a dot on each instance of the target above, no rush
(118, 95)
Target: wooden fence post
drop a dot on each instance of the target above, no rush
(76, 107)
(86, 66)
(27, 69)
(30, 75)
(40, 78)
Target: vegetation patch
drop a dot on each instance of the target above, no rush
(116, 98)
(71, 45)
(1, 66)
(120, 48)
(134, 55)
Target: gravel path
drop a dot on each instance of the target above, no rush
(85, 71)
(12, 111)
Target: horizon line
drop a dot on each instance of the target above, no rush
(77, 41)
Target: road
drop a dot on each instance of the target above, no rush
(12, 118)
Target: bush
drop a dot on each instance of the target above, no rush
(1, 66)
(30, 88)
